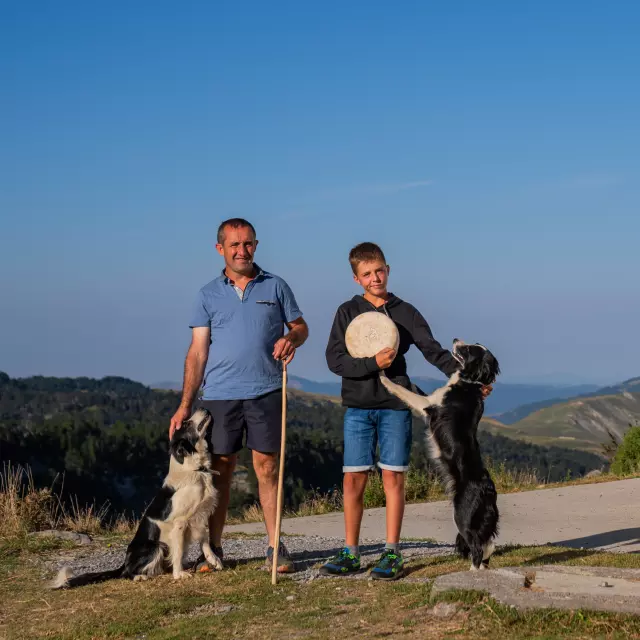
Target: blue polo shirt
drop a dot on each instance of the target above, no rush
(244, 329)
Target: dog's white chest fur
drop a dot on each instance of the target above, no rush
(191, 505)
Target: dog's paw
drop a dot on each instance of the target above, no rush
(140, 578)
(181, 575)
(215, 562)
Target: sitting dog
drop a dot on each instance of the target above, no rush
(178, 515)
(452, 414)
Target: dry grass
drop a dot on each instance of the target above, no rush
(252, 514)
(318, 504)
(24, 508)
(83, 519)
(508, 480)
(124, 525)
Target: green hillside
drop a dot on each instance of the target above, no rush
(524, 409)
(579, 423)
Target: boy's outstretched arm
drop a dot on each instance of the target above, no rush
(431, 349)
(338, 358)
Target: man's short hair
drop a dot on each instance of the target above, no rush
(365, 252)
(234, 223)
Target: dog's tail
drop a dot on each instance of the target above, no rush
(64, 579)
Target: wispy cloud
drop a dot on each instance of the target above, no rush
(307, 208)
(596, 180)
(371, 189)
(392, 188)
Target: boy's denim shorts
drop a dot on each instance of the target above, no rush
(365, 428)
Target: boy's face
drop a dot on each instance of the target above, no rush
(373, 277)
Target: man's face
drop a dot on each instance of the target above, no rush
(237, 249)
(373, 277)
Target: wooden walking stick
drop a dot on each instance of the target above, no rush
(276, 546)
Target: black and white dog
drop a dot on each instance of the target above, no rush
(452, 414)
(178, 515)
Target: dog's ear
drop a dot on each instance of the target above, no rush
(472, 369)
(178, 450)
(490, 368)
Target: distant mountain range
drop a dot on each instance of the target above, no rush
(520, 412)
(582, 422)
(505, 397)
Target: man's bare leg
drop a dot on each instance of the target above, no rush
(266, 468)
(225, 465)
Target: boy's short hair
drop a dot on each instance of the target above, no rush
(234, 223)
(365, 252)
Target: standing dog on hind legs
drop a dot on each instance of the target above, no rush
(178, 515)
(452, 414)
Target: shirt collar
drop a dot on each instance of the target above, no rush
(259, 274)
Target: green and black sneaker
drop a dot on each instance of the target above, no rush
(389, 567)
(341, 565)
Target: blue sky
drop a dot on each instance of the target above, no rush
(490, 148)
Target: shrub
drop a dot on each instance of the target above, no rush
(627, 458)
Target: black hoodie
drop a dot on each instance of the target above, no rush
(361, 387)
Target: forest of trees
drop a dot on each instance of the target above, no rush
(107, 441)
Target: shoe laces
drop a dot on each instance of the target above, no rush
(387, 558)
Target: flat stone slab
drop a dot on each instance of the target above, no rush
(78, 538)
(558, 587)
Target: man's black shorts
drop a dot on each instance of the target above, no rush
(260, 418)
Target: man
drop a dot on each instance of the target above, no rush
(237, 347)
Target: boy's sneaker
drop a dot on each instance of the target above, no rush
(389, 567)
(285, 563)
(341, 565)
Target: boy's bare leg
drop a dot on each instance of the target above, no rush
(354, 484)
(393, 482)
(225, 465)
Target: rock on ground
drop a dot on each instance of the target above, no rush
(553, 586)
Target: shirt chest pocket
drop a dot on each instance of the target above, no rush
(268, 311)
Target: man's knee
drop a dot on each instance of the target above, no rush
(265, 466)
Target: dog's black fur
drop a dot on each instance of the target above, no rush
(453, 413)
(178, 513)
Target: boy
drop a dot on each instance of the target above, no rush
(374, 416)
